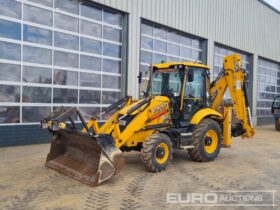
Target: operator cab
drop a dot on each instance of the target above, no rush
(185, 84)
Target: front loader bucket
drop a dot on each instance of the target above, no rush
(91, 160)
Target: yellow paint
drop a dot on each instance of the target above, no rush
(144, 116)
(163, 146)
(188, 64)
(133, 134)
(233, 80)
(214, 141)
(201, 114)
(62, 125)
(227, 127)
(138, 137)
(125, 109)
(183, 92)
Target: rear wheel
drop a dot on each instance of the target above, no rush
(277, 124)
(207, 141)
(157, 152)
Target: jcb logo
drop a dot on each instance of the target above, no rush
(214, 95)
(159, 108)
(159, 111)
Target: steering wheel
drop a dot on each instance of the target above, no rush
(190, 96)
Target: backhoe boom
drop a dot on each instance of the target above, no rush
(233, 78)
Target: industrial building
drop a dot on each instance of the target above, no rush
(88, 54)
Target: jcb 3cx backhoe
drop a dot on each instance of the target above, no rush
(181, 111)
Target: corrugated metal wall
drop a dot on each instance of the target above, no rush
(248, 25)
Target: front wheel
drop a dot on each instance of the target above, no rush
(157, 152)
(207, 141)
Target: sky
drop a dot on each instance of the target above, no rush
(274, 3)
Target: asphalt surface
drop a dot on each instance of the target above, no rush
(249, 165)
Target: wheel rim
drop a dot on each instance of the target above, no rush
(162, 153)
(210, 141)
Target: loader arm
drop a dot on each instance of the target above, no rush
(108, 125)
(233, 78)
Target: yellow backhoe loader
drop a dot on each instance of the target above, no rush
(181, 110)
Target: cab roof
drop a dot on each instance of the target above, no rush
(189, 64)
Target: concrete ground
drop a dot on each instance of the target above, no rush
(249, 165)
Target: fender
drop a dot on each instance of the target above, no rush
(201, 114)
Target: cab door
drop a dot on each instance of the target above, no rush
(195, 97)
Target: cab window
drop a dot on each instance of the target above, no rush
(175, 84)
(195, 89)
(276, 102)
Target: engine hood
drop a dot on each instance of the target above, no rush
(155, 101)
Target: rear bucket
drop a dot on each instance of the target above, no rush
(91, 160)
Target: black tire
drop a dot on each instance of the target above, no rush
(277, 124)
(199, 153)
(150, 151)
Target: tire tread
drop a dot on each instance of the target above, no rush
(147, 151)
(199, 133)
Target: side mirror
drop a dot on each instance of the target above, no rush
(140, 77)
(143, 94)
(190, 75)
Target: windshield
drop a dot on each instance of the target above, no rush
(167, 81)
